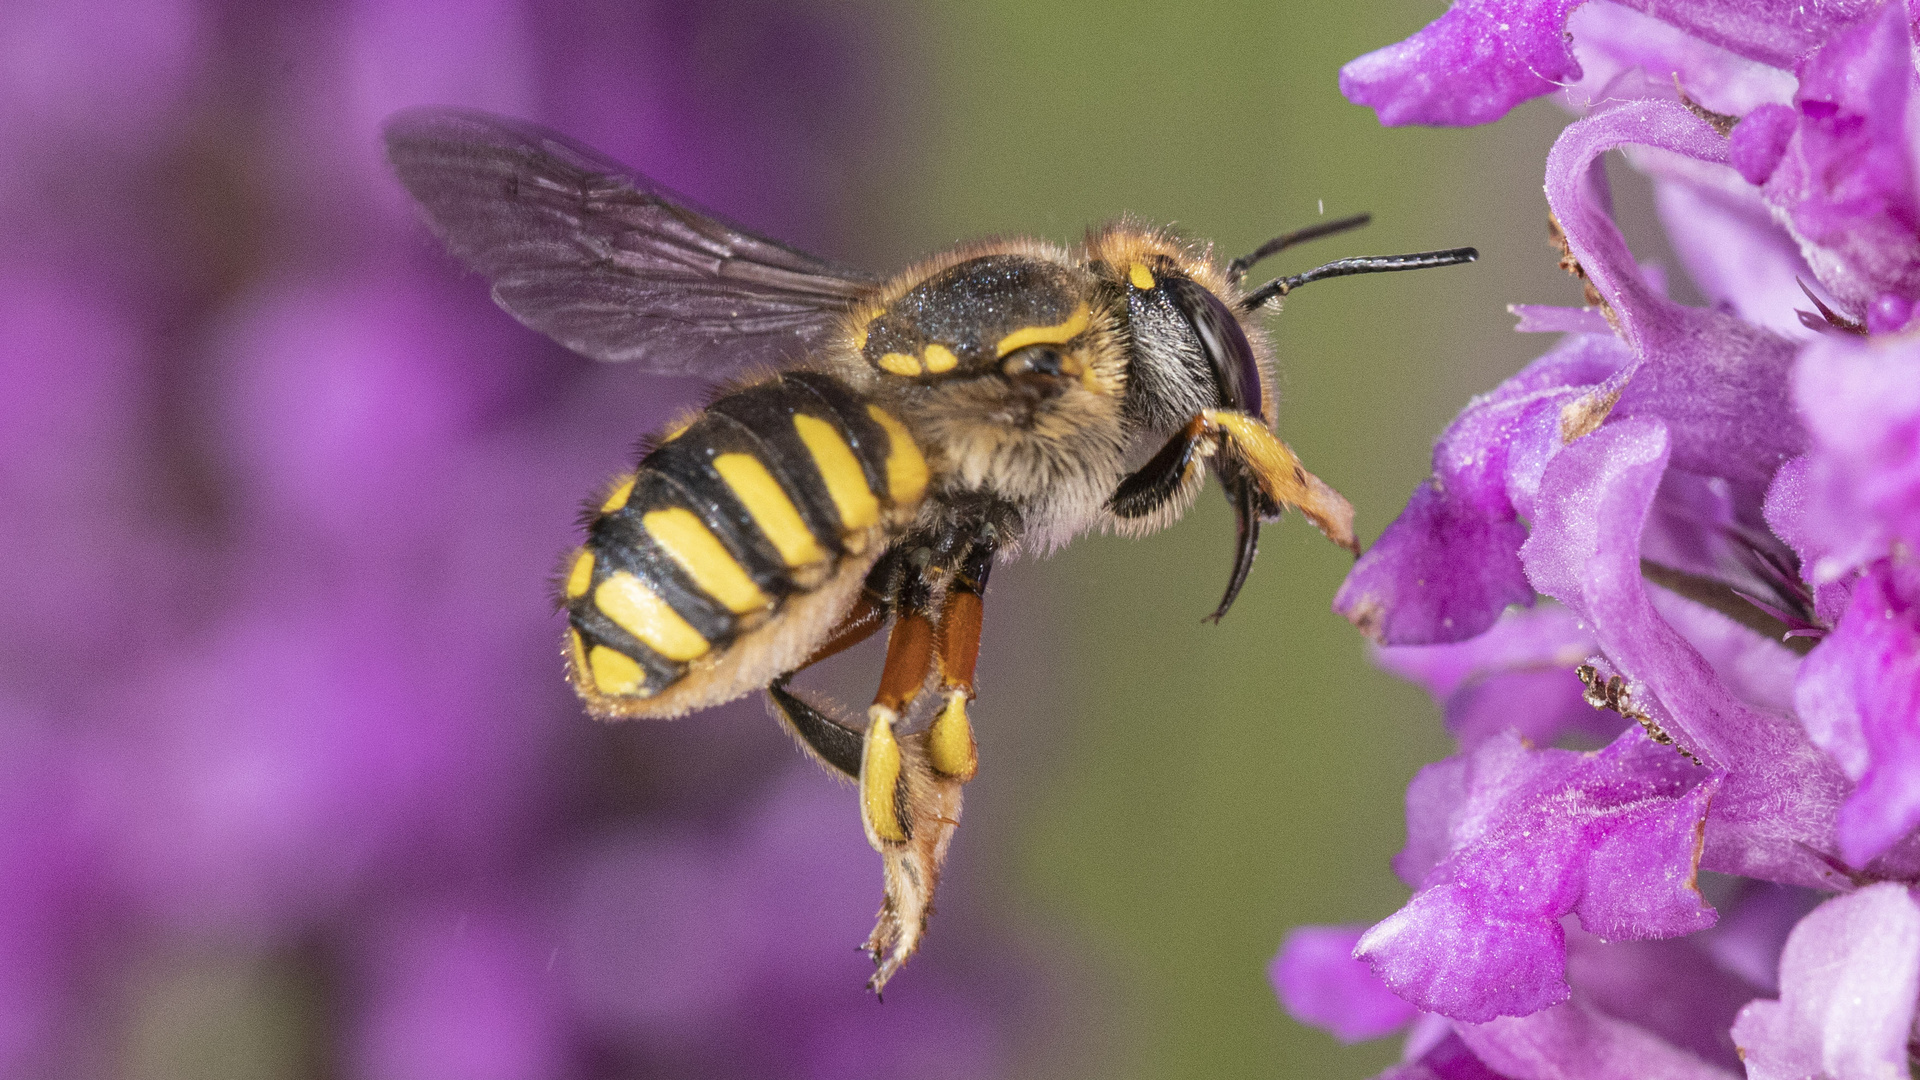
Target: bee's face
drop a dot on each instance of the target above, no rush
(1190, 346)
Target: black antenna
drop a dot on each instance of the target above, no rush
(1366, 264)
(1238, 268)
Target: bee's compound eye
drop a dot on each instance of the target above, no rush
(1046, 361)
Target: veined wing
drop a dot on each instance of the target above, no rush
(605, 261)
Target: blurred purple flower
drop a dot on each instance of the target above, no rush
(282, 496)
(1321, 983)
(1697, 490)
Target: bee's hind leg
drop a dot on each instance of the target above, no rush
(910, 785)
(909, 782)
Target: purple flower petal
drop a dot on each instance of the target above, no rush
(1776, 32)
(1670, 988)
(1320, 983)
(1757, 670)
(1846, 181)
(1760, 141)
(1859, 696)
(1612, 837)
(1483, 57)
(1708, 375)
(1753, 930)
(1442, 571)
(1577, 1043)
(1517, 676)
(1611, 40)
(1849, 979)
(1469, 66)
(1547, 319)
(1447, 567)
(1861, 402)
(1436, 801)
(1775, 813)
(1726, 237)
(1797, 514)
(1447, 1059)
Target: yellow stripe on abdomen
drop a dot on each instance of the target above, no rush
(906, 469)
(615, 673)
(682, 535)
(618, 497)
(779, 520)
(580, 576)
(846, 482)
(639, 611)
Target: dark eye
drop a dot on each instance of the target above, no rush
(1045, 360)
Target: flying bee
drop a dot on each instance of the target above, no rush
(1004, 396)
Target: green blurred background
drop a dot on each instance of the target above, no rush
(1160, 800)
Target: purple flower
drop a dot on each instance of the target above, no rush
(1482, 58)
(1725, 504)
(1532, 836)
(1844, 179)
(1848, 982)
(1518, 676)
(1321, 983)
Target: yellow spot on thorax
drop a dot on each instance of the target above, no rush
(940, 358)
(899, 363)
(906, 469)
(691, 544)
(1057, 334)
(614, 672)
(639, 611)
(846, 482)
(580, 576)
(1141, 277)
(767, 503)
(880, 779)
(866, 328)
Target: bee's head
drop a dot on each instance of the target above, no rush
(1191, 349)
(1196, 369)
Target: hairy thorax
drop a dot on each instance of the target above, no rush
(1007, 363)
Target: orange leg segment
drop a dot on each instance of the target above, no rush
(950, 745)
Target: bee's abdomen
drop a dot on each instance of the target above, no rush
(753, 506)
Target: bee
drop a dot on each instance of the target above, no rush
(913, 430)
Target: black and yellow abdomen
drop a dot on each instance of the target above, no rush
(736, 545)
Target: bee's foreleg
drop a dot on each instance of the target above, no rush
(1281, 479)
(1165, 478)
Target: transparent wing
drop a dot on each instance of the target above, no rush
(605, 261)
